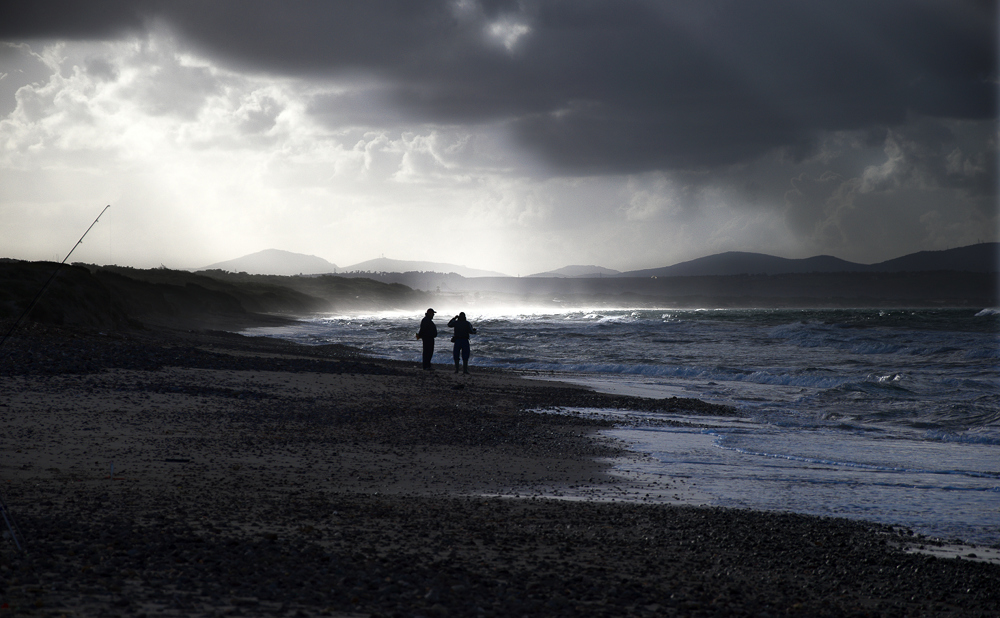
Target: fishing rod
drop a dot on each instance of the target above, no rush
(34, 301)
(5, 513)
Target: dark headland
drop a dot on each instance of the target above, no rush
(157, 465)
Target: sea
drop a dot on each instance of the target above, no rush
(891, 416)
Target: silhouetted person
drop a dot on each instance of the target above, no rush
(428, 331)
(462, 331)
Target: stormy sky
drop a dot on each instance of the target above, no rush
(510, 136)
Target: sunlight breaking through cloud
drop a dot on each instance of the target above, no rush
(508, 32)
(522, 136)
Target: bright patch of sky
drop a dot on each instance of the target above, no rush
(508, 32)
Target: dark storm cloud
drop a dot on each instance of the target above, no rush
(602, 87)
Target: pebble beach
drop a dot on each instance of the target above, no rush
(178, 473)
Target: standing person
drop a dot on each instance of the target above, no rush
(462, 331)
(428, 331)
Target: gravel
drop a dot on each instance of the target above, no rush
(258, 478)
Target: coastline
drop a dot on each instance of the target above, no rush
(259, 477)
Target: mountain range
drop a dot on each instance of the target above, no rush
(579, 271)
(980, 258)
(275, 262)
(278, 262)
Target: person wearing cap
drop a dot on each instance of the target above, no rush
(428, 331)
(462, 331)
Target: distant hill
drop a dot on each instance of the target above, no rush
(275, 262)
(983, 257)
(387, 265)
(743, 263)
(579, 271)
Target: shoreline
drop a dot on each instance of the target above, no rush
(674, 439)
(262, 477)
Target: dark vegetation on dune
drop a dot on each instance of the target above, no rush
(115, 296)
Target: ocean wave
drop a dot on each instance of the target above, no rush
(720, 443)
(988, 352)
(872, 387)
(981, 414)
(773, 379)
(891, 378)
(857, 465)
(627, 318)
(876, 347)
(988, 311)
(608, 368)
(962, 438)
(915, 343)
(971, 384)
(892, 381)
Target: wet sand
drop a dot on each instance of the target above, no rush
(202, 474)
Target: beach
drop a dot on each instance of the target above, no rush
(171, 472)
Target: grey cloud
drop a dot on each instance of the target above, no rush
(176, 90)
(604, 86)
(18, 68)
(101, 69)
(95, 19)
(892, 223)
(936, 182)
(809, 201)
(929, 154)
(361, 106)
(261, 115)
